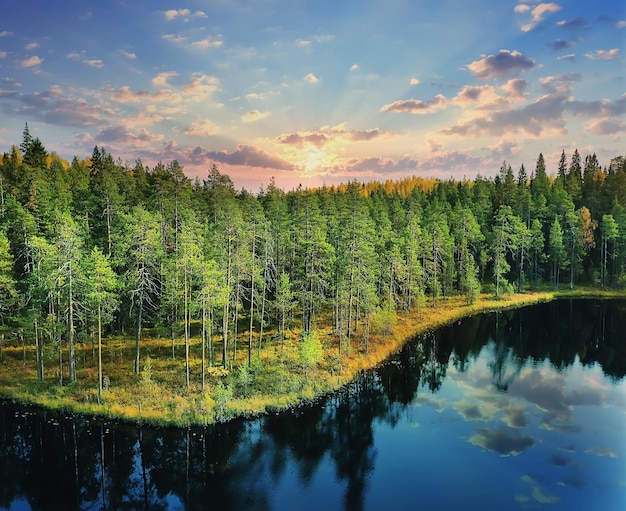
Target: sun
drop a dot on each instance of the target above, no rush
(316, 160)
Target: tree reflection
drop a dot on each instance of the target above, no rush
(56, 461)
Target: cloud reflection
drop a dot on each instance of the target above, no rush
(504, 441)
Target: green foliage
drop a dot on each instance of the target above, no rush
(384, 318)
(311, 350)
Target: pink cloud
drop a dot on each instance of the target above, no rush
(416, 106)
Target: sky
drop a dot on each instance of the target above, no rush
(317, 92)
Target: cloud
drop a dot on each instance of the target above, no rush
(145, 117)
(515, 416)
(74, 112)
(354, 67)
(560, 44)
(515, 88)
(366, 135)
(613, 53)
(174, 38)
(207, 43)
(599, 108)
(31, 62)
(482, 97)
(31, 46)
(3, 54)
(124, 94)
(537, 493)
(376, 166)
(504, 441)
(504, 63)
(244, 155)
(311, 78)
(203, 128)
(183, 14)
(414, 81)
(569, 56)
(602, 452)
(521, 8)
(559, 83)
(449, 161)
(299, 140)
(323, 38)
(505, 149)
(321, 137)
(534, 119)
(161, 80)
(416, 106)
(538, 13)
(607, 127)
(97, 63)
(253, 115)
(5, 33)
(200, 87)
(128, 55)
(575, 24)
(121, 135)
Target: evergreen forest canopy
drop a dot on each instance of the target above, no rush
(97, 245)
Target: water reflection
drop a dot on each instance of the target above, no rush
(534, 398)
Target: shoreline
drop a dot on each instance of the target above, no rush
(178, 410)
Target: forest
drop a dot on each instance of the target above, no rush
(96, 249)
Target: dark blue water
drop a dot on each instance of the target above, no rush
(516, 410)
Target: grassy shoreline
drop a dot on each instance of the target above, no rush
(276, 380)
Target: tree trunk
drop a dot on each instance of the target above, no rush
(99, 353)
(39, 350)
(138, 332)
(186, 322)
(70, 342)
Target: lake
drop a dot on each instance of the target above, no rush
(520, 410)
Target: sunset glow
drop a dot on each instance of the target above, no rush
(317, 92)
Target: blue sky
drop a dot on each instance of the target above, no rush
(316, 92)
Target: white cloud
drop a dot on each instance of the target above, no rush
(207, 43)
(311, 78)
(538, 13)
(31, 61)
(354, 67)
(32, 46)
(5, 33)
(414, 81)
(183, 14)
(97, 63)
(174, 38)
(613, 53)
(128, 55)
